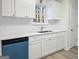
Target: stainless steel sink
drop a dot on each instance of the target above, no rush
(44, 31)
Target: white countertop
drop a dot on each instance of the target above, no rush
(6, 36)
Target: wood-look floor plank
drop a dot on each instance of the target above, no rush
(71, 54)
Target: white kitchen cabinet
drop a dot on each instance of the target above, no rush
(42, 45)
(52, 45)
(25, 8)
(30, 9)
(60, 41)
(45, 47)
(18, 8)
(48, 45)
(35, 50)
(7, 7)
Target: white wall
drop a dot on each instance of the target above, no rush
(68, 12)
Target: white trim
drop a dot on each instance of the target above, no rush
(66, 49)
(0, 48)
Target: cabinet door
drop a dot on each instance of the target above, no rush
(7, 7)
(25, 8)
(48, 46)
(20, 8)
(45, 46)
(35, 51)
(52, 45)
(60, 42)
(30, 8)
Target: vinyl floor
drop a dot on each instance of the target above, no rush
(71, 54)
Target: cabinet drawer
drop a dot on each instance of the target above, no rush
(49, 36)
(35, 50)
(34, 38)
(34, 42)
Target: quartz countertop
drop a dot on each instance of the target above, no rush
(6, 36)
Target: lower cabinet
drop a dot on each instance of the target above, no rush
(52, 45)
(60, 41)
(45, 47)
(35, 50)
(48, 46)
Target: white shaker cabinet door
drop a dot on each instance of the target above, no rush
(35, 51)
(45, 47)
(52, 45)
(20, 8)
(30, 8)
(25, 8)
(7, 7)
(60, 42)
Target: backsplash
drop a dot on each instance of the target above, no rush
(14, 21)
(19, 25)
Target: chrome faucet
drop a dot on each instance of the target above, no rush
(42, 27)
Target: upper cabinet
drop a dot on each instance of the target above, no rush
(25, 8)
(7, 7)
(19, 8)
(30, 10)
(40, 11)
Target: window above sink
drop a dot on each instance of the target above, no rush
(39, 12)
(47, 12)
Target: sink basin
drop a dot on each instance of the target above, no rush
(44, 31)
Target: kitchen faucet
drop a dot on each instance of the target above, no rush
(42, 27)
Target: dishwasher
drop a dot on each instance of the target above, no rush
(15, 48)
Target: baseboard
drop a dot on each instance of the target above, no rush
(66, 49)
